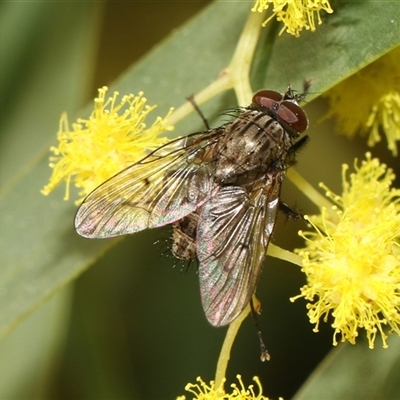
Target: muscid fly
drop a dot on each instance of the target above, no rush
(221, 191)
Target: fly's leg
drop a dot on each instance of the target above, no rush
(294, 149)
(197, 108)
(290, 212)
(265, 356)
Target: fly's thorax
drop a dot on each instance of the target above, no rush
(255, 141)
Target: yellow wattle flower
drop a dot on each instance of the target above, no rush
(295, 15)
(368, 102)
(352, 257)
(113, 137)
(203, 391)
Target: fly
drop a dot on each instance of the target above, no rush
(220, 189)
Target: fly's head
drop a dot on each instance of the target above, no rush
(284, 108)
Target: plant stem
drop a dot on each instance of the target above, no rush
(316, 197)
(240, 64)
(224, 356)
(277, 252)
(236, 75)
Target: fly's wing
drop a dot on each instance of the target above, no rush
(166, 185)
(232, 238)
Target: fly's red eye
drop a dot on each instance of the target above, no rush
(293, 115)
(288, 111)
(267, 98)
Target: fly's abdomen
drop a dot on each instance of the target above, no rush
(184, 237)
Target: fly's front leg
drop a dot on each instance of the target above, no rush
(191, 100)
(290, 212)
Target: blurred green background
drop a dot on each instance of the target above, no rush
(132, 326)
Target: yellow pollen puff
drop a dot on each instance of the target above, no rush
(351, 257)
(295, 15)
(113, 137)
(376, 91)
(203, 391)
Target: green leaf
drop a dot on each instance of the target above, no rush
(356, 372)
(25, 368)
(356, 34)
(45, 64)
(54, 79)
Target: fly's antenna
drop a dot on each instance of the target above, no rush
(306, 86)
(306, 89)
(291, 93)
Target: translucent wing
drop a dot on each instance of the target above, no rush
(168, 184)
(232, 238)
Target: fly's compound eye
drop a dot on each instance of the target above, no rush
(267, 98)
(293, 115)
(288, 110)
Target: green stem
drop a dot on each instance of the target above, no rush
(227, 346)
(240, 64)
(316, 197)
(277, 252)
(236, 75)
(223, 83)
